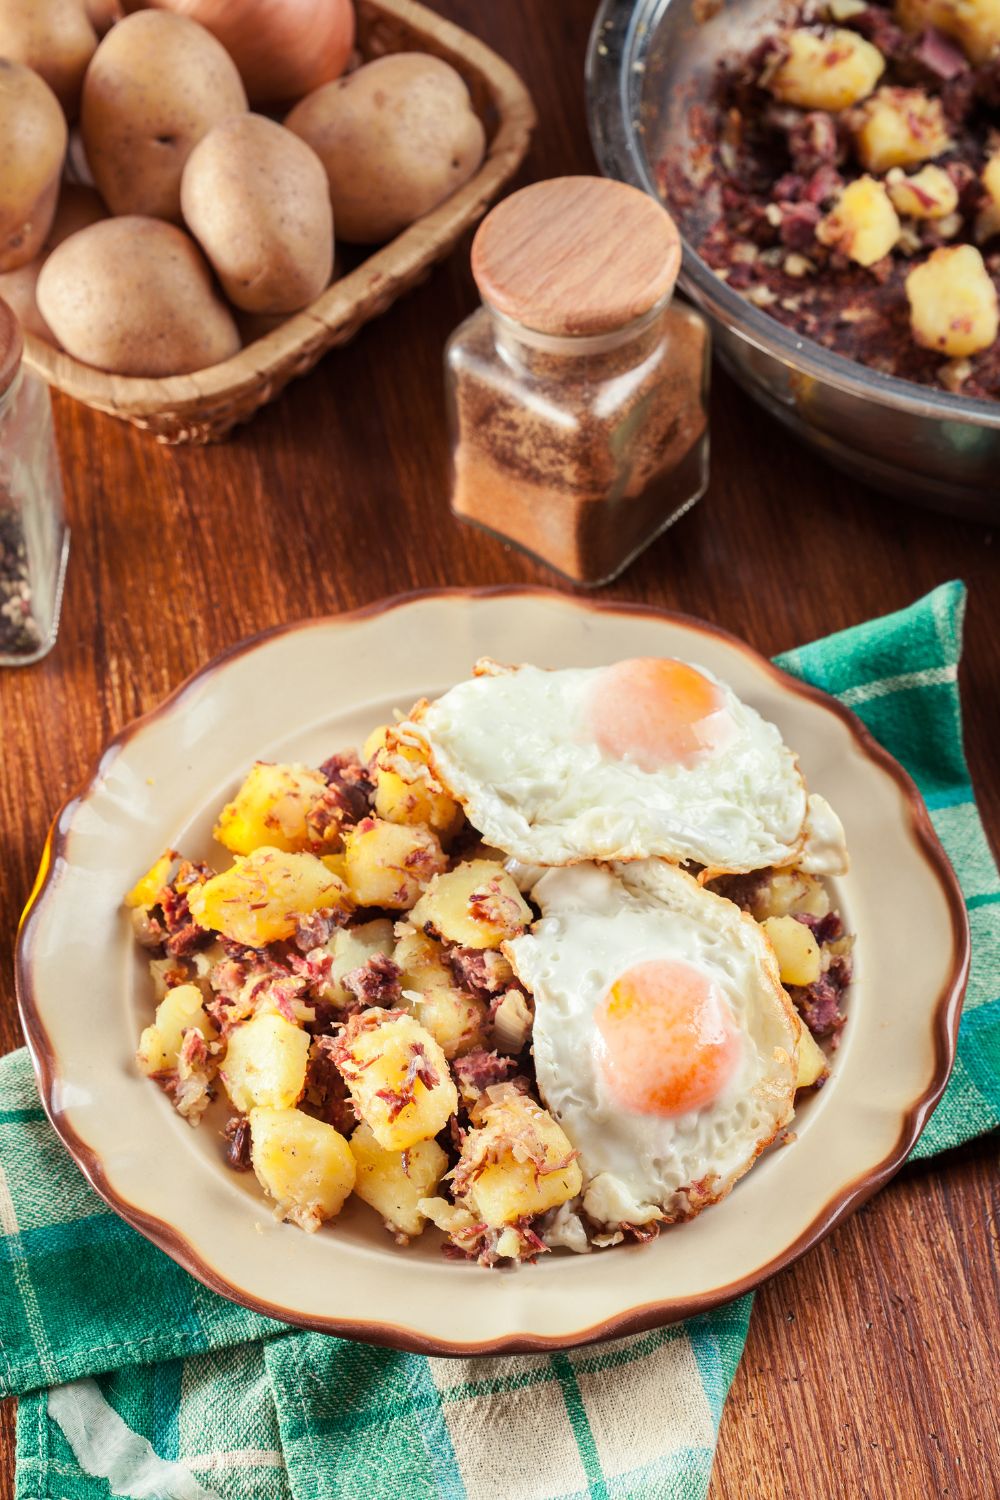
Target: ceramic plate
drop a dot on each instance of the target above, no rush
(309, 689)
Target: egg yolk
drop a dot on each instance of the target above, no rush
(655, 711)
(667, 1045)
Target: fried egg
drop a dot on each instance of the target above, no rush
(664, 1043)
(647, 757)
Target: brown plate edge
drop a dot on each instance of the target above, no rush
(947, 1015)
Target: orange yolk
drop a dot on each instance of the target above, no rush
(667, 1044)
(655, 711)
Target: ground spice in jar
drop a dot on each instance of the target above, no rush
(19, 632)
(578, 391)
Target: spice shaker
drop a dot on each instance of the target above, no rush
(578, 391)
(34, 542)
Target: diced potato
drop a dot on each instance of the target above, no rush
(928, 194)
(393, 1182)
(796, 949)
(180, 1009)
(455, 1020)
(304, 1164)
(398, 1077)
(257, 900)
(352, 947)
(831, 69)
(407, 792)
(270, 809)
(501, 1188)
(991, 179)
(477, 905)
(975, 24)
(388, 864)
(147, 889)
(265, 1063)
(792, 891)
(374, 743)
(421, 960)
(953, 302)
(900, 128)
(863, 225)
(812, 1063)
(336, 863)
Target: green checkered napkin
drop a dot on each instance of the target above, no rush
(137, 1381)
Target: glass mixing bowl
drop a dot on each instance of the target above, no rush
(648, 61)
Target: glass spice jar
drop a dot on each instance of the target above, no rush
(578, 391)
(34, 542)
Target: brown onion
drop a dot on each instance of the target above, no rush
(283, 48)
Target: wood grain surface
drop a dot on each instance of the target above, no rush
(871, 1365)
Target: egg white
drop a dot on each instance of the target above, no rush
(512, 745)
(596, 923)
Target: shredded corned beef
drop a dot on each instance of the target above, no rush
(326, 1094)
(376, 982)
(819, 1004)
(477, 1070)
(237, 1137)
(480, 972)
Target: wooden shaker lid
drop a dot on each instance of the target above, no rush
(11, 346)
(576, 255)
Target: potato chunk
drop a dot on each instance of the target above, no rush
(457, 1021)
(270, 809)
(825, 70)
(791, 891)
(388, 864)
(257, 900)
(397, 1075)
(352, 947)
(159, 1045)
(796, 949)
(421, 960)
(928, 194)
(953, 302)
(863, 224)
(812, 1063)
(517, 1162)
(406, 791)
(146, 890)
(975, 24)
(900, 128)
(393, 1182)
(265, 1063)
(303, 1164)
(476, 905)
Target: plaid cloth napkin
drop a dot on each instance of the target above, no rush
(137, 1381)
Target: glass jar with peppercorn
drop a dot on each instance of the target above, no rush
(578, 391)
(34, 542)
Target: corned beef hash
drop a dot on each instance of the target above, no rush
(545, 964)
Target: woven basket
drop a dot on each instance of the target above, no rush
(203, 407)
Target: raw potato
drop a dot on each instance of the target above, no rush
(305, 1165)
(255, 198)
(501, 1186)
(55, 39)
(270, 808)
(33, 140)
(134, 296)
(796, 949)
(180, 1009)
(826, 70)
(156, 85)
(396, 137)
(398, 1077)
(388, 864)
(78, 206)
(258, 899)
(393, 1182)
(265, 1063)
(477, 904)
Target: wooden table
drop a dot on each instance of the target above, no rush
(871, 1365)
